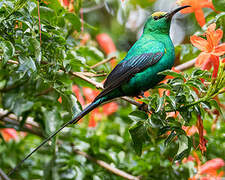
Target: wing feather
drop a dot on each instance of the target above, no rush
(130, 66)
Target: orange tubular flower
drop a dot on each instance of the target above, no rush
(211, 166)
(210, 47)
(101, 112)
(202, 140)
(9, 133)
(107, 45)
(196, 7)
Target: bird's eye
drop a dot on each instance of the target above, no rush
(156, 17)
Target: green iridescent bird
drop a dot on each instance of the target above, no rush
(137, 72)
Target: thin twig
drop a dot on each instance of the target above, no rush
(100, 86)
(102, 62)
(3, 176)
(12, 62)
(91, 81)
(32, 129)
(107, 166)
(186, 65)
(27, 126)
(89, 74)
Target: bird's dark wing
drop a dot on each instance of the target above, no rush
(125, 70)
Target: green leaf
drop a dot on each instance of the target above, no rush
(219, 5)
(74, 20)
(160, 103)
(8, 50)
(138, 133)
(215, 104)
(27, 65)
(184, 147)
(172, 101)
(72, 105)
(22, 105)
(46, 14)
(171, 73)
(55, 5)
(138, 116)
(52, 120)
(170, 138)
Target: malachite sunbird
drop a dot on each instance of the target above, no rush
(138, 71)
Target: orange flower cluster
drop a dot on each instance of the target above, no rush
(98, 113)
(67, 4)
(211, 49)
(10, 133)
(107, 45)
(196, 7)
(208, 170)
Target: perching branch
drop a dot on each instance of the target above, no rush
(107, 166)
(185, 65)
(33, 130)
(102, 62)
(3, 176)
(98, 85)
(27, 127)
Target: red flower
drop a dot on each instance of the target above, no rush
(211, 166)
(9, 133)
(190, 130)
(196, 7)
(202, 141)
(67, 4)
(100, 112)
(210, 49)
(78, 94)
(107, 45)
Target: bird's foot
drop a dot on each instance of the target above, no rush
(141, 95)
(143, 107)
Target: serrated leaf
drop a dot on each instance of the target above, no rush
(8, 50)
(171, 100)
(184, 147)
(160, 104)
(197, 73)
(27, 65)
(138, 133)
(171, 73)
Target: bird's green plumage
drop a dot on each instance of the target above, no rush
(138, 71)
(153, 40)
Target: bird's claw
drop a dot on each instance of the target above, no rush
(141, 95)
(143, 107)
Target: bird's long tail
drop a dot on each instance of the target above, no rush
(89, 108)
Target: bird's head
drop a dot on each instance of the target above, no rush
(159, 22)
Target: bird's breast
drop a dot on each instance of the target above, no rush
(149, 77)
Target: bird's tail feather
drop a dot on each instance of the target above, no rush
(73, 121)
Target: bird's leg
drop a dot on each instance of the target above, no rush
(143, 107)
(141, 95)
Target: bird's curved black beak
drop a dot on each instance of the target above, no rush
(170, 14)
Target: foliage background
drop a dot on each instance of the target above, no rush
(36, 81)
